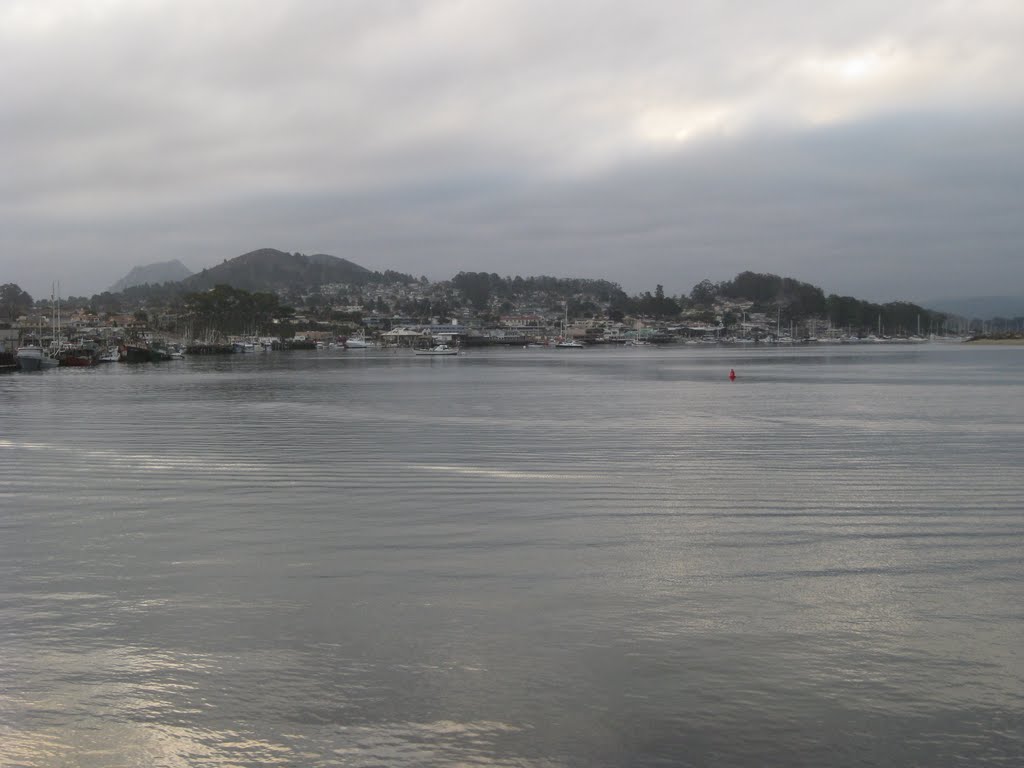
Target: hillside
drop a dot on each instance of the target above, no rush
(271, 270)
(153, 274)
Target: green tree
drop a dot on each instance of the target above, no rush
(704, 293)
(14, 302)
(475, 286)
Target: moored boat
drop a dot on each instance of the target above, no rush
(440, 349)
(78, 356)
(34, 358)
(144, 353)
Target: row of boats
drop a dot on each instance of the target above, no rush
(34, 357)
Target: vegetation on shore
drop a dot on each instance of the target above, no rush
(1009, 338)
(267, 289)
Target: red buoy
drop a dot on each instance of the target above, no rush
(732, 375)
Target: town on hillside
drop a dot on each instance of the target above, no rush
(275, 300)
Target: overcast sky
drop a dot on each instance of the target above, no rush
(875, 148)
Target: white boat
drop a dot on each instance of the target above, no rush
(357, 342)
(440, 349)
(566, 342)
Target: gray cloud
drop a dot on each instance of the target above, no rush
(871, 149)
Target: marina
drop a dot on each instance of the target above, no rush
(88, 353)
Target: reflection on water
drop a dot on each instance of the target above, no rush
(515, 559)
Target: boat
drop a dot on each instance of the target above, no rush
(565, 342)
(440, 349)
(35, 358)
(638, 340)
(78, 355)
(357, 342)
(144, 353)
(112, 355)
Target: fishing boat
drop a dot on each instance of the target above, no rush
(35, 358)
(81, 355)
(144, 353)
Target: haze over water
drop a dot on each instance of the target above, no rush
(516, 558)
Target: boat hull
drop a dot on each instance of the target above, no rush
(34, 359)
(30, 363)
(139, 354)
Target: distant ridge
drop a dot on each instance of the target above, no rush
(153, 274)
(269, 269)
(982, 307)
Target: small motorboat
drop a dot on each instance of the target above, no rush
(440, 349)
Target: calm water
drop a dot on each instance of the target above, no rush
(516, 558)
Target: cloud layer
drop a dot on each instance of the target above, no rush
(871, 147)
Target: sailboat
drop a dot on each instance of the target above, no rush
(566, 342)
(638, 342)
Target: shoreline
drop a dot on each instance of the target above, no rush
(997, 342)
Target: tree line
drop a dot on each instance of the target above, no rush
(232, 310)
(791, 299)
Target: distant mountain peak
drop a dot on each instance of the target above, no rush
(154, 274)
(268, 269)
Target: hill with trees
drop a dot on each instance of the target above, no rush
(792, 299)
(152, 274)
(271, 270)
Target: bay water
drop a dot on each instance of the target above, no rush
(600, 557)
